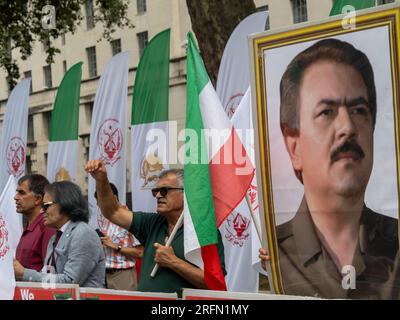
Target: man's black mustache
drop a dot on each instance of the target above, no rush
(350, 145)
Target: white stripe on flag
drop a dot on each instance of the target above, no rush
(62, 155)
(149, 156)
(214, 120)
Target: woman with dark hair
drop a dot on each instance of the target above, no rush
(74, 254)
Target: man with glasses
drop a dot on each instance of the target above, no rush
(31, 250)
(153, 231)
(74, 254)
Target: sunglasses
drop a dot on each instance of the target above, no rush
(46, 205)
(163, 191)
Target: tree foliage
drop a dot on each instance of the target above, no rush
(21, 26)
(213, 21)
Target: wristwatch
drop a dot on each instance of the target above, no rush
(119, 248)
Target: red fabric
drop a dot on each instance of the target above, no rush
(32, 247)
(213, 275)
(231, 173)
(138, 268)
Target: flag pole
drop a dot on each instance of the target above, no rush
(170, 239)
(253, 215)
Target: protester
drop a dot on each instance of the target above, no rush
(74, 254)
(32, 247)
(121, 250)
(153, 230)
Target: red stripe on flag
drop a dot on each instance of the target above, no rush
(213, 275)
(231, 173)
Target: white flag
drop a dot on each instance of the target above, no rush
(10, 233)
(233, 75)
(14, 132)
(108, 130)
(239, 233)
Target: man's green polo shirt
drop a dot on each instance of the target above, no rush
(150, 228)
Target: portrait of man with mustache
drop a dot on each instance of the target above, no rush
(327, 118)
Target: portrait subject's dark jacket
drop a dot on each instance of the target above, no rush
(308, 270)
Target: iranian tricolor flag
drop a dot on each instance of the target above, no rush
(149, 156)
(63, 140)
(14, 133)
(108, 130)
(217, 172)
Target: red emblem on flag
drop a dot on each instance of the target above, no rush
(252, 192)
(15, 155)
(237, 229)
(4, 246)
(109, 139)
(233, 103)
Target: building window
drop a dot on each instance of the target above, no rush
(116, 46)
(141, 6)
(48, 82)
(46, 122)
(92, 65)
(143, 39)
(86, 145)
(31, 136)
(87, 150)
(65, 66)
(28, 74)
(384, 2)
(63, 39)
(299, 8)
(28, 164)
(88, 111)
(89, 14)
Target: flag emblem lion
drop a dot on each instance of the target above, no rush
(4, 246)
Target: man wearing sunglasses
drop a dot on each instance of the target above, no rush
(153, 231)
(32, 247)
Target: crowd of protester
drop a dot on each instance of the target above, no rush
(58, 244)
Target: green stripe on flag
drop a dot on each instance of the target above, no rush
(151, 89)
(65, 115)
(197, 175)
(357, 4)
(200, 72)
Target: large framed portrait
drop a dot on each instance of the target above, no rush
(325, 101)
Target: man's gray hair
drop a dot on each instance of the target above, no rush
(177, 172)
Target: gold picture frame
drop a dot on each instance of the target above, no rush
(260, 46)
